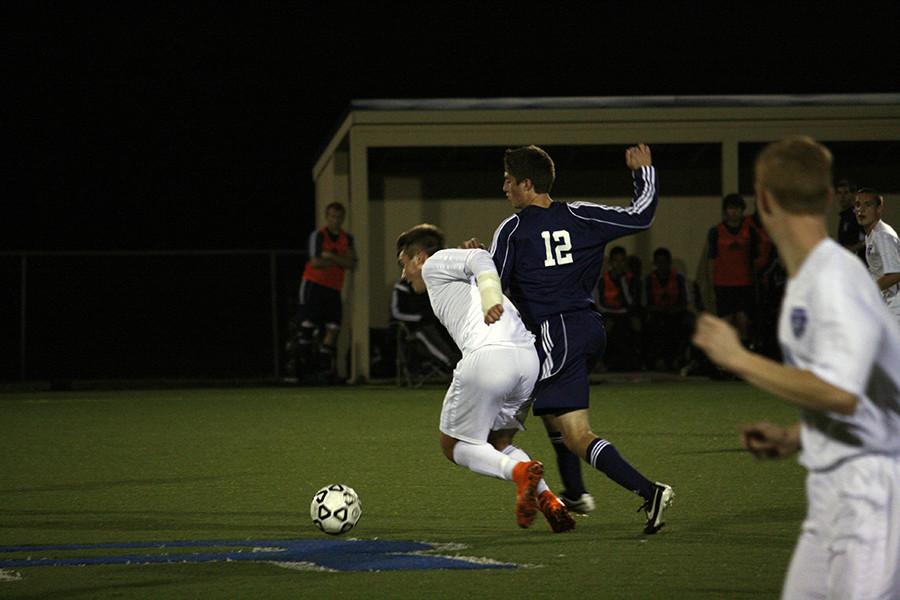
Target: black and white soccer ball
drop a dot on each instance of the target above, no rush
(335, 509)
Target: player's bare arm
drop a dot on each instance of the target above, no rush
(765, 440)
(328, 259)
(638, 156)
(802, 388)
(887, 280)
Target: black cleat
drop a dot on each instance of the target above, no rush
(656, 506)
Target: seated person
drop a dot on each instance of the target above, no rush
(414, 310)
(618, 300)
(669, 323)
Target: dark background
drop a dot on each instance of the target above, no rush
(136, 127)
(197, 126)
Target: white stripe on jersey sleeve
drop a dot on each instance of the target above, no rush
(648, 174)
(496, 239)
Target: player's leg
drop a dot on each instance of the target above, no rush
(553, 349)
(807, 574)
(864, 542)
(554, 510)
(306, 329)
(481, 382)
(605, 457)
(510, 419)
(330, 313)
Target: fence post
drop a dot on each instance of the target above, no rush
(23, 297)
(273, 288)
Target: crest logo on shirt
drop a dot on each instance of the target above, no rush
(798, 321)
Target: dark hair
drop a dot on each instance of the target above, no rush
(425, 237)
(617, 250)
(871, 192)
(662, 251)
(797, 172)
(733, 200)
(336, 206)
(845, 183)
(531, 162)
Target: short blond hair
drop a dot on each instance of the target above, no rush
(797, 172)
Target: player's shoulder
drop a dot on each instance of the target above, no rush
(884, 231)
(831, 272)
(509, 223)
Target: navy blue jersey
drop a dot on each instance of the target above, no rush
(549, 259)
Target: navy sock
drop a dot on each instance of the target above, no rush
(569, 466)
(604, 457)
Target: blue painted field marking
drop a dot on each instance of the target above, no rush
(339, 555)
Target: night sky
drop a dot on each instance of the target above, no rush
(198, 127)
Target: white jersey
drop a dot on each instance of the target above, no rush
(450, 279)
(834, 324)
(883, 256)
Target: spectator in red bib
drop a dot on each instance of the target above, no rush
(331, 254)
(669, 323)
(732, 249)
(618, 300)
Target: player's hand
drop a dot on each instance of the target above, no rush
(493, 314)
(765, 440)
(638, 156)
(718, 340)
(472, 244)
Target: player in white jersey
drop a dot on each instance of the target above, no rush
(842, 369)
(882, 247)
(489, 396)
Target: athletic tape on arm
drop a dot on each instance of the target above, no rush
(490, 290)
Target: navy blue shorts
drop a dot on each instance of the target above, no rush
(319, 304)
(567, 345)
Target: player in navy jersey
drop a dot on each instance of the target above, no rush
(549, 257)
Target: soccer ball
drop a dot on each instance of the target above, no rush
(335, 509)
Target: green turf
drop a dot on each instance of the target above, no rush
(85, 467)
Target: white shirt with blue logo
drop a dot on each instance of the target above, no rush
(834, 323)
(883, 256)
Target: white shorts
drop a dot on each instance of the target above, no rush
(491, 390)
(849, 546)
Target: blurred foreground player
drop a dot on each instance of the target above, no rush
(489, 396)
(842, 369)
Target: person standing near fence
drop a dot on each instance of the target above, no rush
(331, 254)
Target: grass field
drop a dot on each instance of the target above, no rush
(242, 464)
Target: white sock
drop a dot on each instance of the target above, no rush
(483, 459)
(517, 454)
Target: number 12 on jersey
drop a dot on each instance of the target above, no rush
(562, 247)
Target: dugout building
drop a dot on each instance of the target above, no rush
(396, 163)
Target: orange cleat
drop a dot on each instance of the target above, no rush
(556, 513)
(527, 475)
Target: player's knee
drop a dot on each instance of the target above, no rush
(501, 439)
(447, 445)
(306, 332)
(578, 439)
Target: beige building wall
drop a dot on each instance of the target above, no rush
(681, 224)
